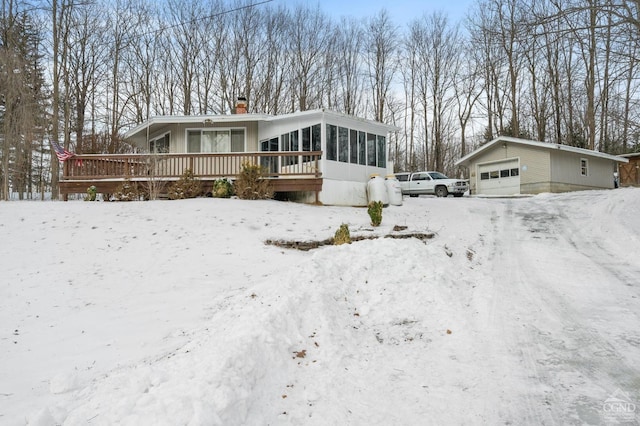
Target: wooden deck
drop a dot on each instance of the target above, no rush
(287, 172)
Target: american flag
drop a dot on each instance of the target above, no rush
(61, 153)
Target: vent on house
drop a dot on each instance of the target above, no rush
(241, 105)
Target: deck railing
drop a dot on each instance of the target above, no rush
(202, 165)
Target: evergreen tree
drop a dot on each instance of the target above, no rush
(23, 152)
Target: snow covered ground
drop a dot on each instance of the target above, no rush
(518, 311)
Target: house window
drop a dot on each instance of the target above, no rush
(343, 144)
(270, 164)
(484, 176)
(316, 138)
(159, 145)
(362, 148)
(515, 172)
(290, 142)
(218, 140)
(306, 139)
(237, 140)
(584, 167)
(311, 140)
(382, 145)
(332, 142)
(371, 149)
(504, 173)
(353, 146)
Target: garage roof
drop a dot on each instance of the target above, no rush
(464, 161)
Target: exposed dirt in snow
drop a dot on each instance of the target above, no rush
(398, 232)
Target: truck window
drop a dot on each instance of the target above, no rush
(420, 176)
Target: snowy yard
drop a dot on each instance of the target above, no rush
(518, 311)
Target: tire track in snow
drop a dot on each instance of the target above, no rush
(507, 355)
(574, 365)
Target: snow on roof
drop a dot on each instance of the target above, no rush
(631, 155)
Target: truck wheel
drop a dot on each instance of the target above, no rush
(441, 191)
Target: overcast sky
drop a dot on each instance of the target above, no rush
(402, 11)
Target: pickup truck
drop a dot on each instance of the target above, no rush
(431, 183)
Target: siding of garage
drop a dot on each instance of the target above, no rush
(535, 171)
(566, 172)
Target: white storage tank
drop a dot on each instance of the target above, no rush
(377, 190)
(394, 191)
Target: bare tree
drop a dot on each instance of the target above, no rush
(309, 34)
(349, 46)
(467, 88)
(441, 60)
(382, 48)
(86, 62)
(142, 63)
(413, 72)
(490, 58)
(271, 79)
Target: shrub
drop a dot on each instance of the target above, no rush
(251, 185)
(342, 235)
(222, 188)
(92, 191)
(127, 192)
(375, 212)
(186, 187)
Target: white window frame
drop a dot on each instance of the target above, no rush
(584, 167)
(156, 139)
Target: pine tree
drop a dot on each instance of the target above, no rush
(22, 104)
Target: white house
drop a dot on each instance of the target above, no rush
(349, 149)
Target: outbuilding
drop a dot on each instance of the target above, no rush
(512, 166)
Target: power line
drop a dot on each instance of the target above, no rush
(203, 18)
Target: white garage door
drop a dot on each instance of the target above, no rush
(501, 178)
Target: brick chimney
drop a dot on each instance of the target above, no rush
(241, 105)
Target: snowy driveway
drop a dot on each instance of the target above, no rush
(560, 301)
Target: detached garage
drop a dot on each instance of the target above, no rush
(512, 166)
